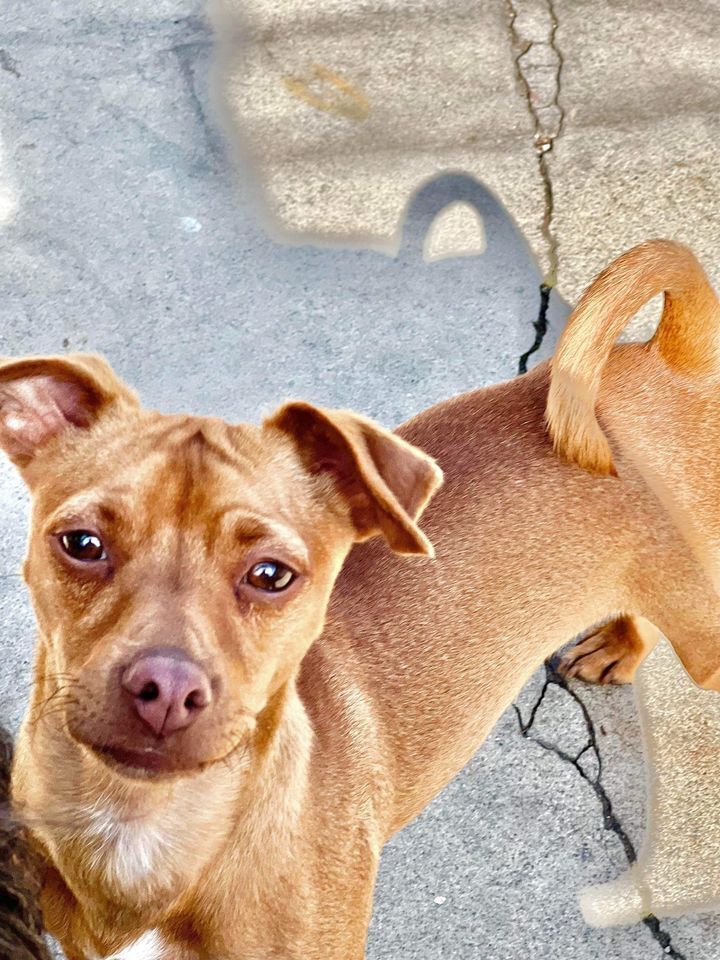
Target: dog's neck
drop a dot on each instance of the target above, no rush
(138, 843)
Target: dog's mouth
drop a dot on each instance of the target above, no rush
(154, 762)
(136, 755)
(149, 760)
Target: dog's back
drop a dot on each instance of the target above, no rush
(532, 550)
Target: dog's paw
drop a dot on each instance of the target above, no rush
(610, 654)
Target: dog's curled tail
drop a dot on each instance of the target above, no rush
(687, 338)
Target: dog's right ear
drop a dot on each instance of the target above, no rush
(385, 481)
(42, 397)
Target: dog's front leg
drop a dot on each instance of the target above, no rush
(63, 919)
(61, 916)
(346, 922)
(322, 913)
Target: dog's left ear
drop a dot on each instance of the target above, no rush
(385, 481)
(42, 397)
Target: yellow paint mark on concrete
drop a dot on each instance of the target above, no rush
(327, 91)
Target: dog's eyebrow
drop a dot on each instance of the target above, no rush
(83, 509)
(253, 527)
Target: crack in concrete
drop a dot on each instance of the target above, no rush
(540, 325)
(8, 64)
(537, 77)
(548, 117)
(610, 819)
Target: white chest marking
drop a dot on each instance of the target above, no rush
(149, 947)
(130, 853)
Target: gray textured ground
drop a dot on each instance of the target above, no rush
(133, 237)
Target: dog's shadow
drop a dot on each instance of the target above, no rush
(390, 335)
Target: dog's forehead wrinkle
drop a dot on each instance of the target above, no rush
(184, 465)
(155, 438)
(237, 444)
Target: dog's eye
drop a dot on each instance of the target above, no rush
(83, 545)
(270, 575)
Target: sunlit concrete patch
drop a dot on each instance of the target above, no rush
(638, 154)
(457, 231)
(345, 110)
(678, 868)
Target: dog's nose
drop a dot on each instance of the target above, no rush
(169, 690)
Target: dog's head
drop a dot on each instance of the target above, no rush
(180, 567)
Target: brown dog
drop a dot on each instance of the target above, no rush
(230, 715)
